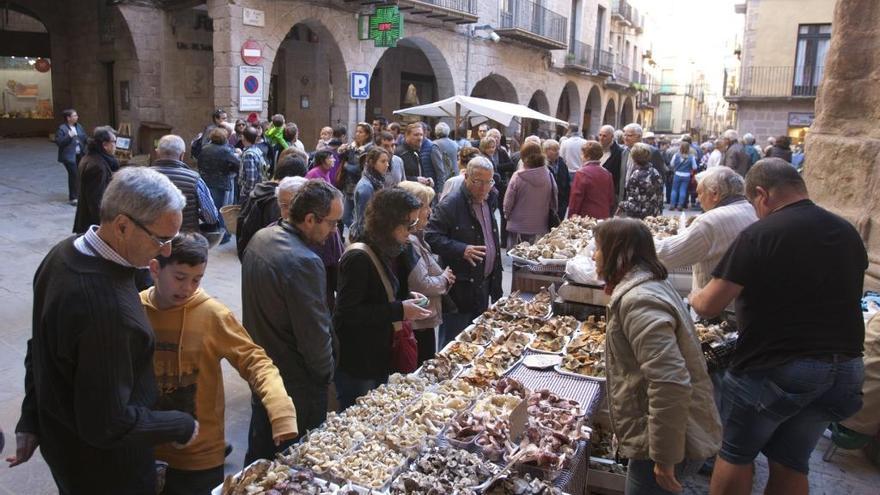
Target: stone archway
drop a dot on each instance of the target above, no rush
(626, 112)
(413, 73)
(539, 103)
(569, 107)
(308, 83)
(592, 112)
(497, 87)
(610, 116)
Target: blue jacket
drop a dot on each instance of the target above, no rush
(67, 144)
(452, 227)
(683, 165)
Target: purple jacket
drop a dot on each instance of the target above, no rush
(530, 196)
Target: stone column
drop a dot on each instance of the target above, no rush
(842, 167)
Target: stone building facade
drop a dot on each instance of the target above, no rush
(842, 167)
(784, 47)
(172, 62)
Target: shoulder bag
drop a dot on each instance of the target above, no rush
(404, 349)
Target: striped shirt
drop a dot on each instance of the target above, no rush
(706, 240)
(91, 244)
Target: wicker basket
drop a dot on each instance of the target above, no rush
(230, 217)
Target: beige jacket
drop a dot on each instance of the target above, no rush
(659, 391)
(427, 278)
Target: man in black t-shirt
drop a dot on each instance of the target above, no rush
(797, 277)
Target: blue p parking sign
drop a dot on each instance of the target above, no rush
(360, 86)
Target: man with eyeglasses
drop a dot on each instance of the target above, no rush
(89, 380)
(283, 287)
(463, 231)
(200, 206)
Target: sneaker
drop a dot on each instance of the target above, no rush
(73, 202)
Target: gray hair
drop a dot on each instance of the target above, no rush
(731, 135)
(641, 153)
(290, 185)
(532, 139)
(606, 127)
(170, 146)
(709, 145)
(636, 128)
(773, 173)
(479, 163)
(723, 181)
(315, 196)
(748, 138)
(441, 130)
(140, 193)
(618, 134)
(492, 132)
(550, 143)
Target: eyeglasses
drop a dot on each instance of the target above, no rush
(161, 242)
(478, 182)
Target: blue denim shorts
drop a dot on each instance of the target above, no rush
(782, 412)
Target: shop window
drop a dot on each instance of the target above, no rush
(812, 46)
(26, 91)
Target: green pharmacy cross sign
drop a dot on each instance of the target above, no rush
(385, 26)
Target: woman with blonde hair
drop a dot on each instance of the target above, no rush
(427, 276)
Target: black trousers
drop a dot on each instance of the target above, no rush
(72, 186)
(180, 482)
(426, 344)
(310, 402)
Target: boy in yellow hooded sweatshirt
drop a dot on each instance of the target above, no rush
(193, 333)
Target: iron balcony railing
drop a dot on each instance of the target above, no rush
(622, 9)
(579, 56)
(622, 74)
(457, 11)
(469, 6)
(603, 61)
(636, 77)
(770, 82)
(534, 18)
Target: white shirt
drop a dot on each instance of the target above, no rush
(715, 159)
(91, 244)
(570, 150)
(703, 244)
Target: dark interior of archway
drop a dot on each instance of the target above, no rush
(563, 111)
(535, 103)
(591, 115)
(403, 78)
(608, 118)
(626, 113)
(301, 75)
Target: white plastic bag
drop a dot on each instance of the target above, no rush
(582, 269)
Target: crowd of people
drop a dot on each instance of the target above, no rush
(363, 257)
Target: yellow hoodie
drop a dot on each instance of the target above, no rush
(191, 339)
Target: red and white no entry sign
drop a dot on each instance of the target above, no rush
(251, 52)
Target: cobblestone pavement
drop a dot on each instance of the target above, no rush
(34, 215)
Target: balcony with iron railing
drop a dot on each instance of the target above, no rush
(455, 11)
(622, 11)
(636, 77)
(772, 82)
(529, 22)
(603, 61)
(579, 57)
(622, 74)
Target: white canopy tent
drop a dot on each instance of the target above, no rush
(479, 110)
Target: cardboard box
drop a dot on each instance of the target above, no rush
(583, 294)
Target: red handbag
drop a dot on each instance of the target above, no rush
(404, 348)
